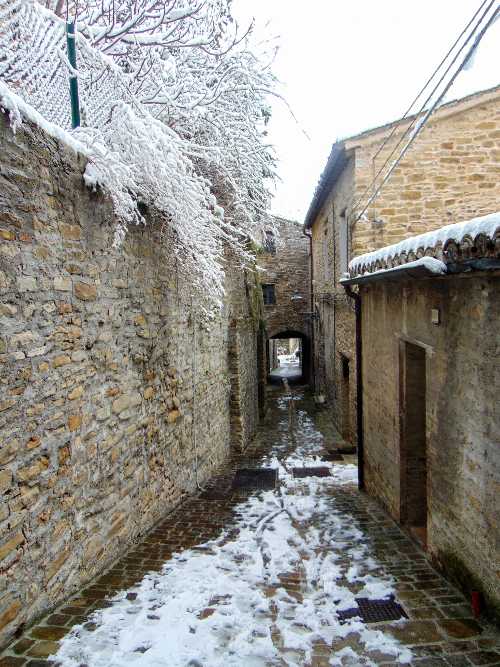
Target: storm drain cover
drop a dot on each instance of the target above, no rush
(251, 479)
(312, 472)
(219, 488)
(332, 456)
(374, 611)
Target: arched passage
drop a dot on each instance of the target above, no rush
(288, 343)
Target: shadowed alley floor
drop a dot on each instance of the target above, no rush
(272, 577)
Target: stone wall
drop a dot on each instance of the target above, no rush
(245, 351)
(114, 394)
(462, 415)
(288, 270)
(334, 328)
(450, 174)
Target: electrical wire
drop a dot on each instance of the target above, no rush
(424, 120)
(450, 51)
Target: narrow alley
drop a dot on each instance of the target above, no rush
(300, 571)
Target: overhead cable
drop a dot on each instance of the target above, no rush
(421, 123)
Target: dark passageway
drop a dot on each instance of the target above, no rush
(288, 357)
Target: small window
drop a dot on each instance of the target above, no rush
(270, 242)
(268, 294)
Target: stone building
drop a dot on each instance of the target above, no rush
(284, 275)
(449, 173)
(430, 317)
(117, 397)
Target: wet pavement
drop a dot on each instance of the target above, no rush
(291, 370)
(276, 576)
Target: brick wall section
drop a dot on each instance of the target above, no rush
(462, 417)
(104, 360)
(450, 174)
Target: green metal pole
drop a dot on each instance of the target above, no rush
(73, 81)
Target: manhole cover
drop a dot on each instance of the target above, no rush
(318, 471)
(332, 456)
(219, 488)
(250, 479)
(374, 611)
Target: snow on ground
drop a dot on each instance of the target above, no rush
(225, 604)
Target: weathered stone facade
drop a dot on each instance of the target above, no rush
(245, 351)
(114, 394)
(450, 174)
(284, 263)
(460, 460)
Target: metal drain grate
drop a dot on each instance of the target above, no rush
(374, 611)
(332, 456)
(251, 479)
(319, 471)
(218, 488)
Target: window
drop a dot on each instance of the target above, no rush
(270, 242)
(269, 295)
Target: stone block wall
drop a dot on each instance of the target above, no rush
(462, 416)
(288, 270)
(245, 350)
(114, 396)
(334, 331)
(450, 174)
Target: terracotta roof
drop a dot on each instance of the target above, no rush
(474, 239)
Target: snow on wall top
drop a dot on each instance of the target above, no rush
(478, 237)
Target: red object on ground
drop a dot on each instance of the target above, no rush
(475, 597)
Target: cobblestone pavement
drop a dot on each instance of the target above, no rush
(239, 577)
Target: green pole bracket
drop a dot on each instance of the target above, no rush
(73, 81)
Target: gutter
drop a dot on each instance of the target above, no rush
(308, 234)
(334, 166)
(359, 386)
(396, 274)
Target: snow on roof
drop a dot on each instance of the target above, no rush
(473, 238)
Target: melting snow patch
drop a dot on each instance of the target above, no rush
(229, 605)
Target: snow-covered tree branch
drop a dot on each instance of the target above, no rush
(175, 104)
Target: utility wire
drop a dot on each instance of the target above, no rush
(424, 120)
(427, 83)
(422, 108)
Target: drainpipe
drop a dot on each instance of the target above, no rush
(308, 234)
(359, 385)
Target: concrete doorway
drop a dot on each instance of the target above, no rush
(288, 357)
(413, 441)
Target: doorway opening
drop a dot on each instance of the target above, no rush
(288, 357)
(345, 398)
(413, 441)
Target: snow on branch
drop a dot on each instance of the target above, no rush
(174, 103)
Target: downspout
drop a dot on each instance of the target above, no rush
(359, 385)
(308, 234)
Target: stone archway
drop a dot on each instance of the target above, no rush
(305, 376)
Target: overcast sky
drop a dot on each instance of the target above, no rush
(348, 65)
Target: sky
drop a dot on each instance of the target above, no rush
(348, 65)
